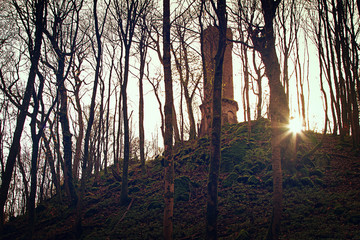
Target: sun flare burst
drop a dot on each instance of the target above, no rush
(295, 125)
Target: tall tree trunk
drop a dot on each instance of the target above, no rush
(101, 133)
(259, 86)
(127, 15)
(344, 128)
(215, 147)
(188, 96)
(42, 196)
(87, 153)
(168, 139)
(107, 128)
(118, 135)
(246, 73)
(143, 47)
(175, 125)
(279, 107)
(65, 126)
(80, 121)
(40, 6)
(141, 109)
(37, 98)
(124, 198)
(188, 100)
(336, 100)
(329, 55)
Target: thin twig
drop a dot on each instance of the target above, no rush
(123, 216)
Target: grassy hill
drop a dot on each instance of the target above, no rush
(321, 194)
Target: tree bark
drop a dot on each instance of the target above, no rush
(80, 122)
(143, 52)
(168, 139)
(215, 147)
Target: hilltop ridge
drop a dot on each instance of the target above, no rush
(321, 194)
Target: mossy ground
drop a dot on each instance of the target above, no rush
(321, 194)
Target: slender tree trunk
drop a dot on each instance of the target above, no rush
(329, 55)
(175, 125)
(33, 174)
(259, 85)
(340, 80)
(143, 53)
(37, 98)
(42, 194)
(215, 147)
(184, 81)
(51, 161)
(188, 100)
(332, 62)
(118, 136)
(2, 146)
(107, 124)
(80, 122)
(168, 139)
(155, 87)
(101, 133)
(25, 181)
(188, 97)
(245, 61)
(124, 198)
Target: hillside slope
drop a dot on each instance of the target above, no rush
(321, 194)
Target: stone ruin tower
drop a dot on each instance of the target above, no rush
(229, 106)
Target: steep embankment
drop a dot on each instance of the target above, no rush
(321, 194)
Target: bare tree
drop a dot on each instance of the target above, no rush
(34, 30)
(127, 14)
(155, 38)
(263, 39)
(107, 116)
(155, 84)
(143, 48)
(185, 62)
(340, 62)
(86, 169)
(80, 55)
(62, 40)
(215, 147)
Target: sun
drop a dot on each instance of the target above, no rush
(295, 125)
